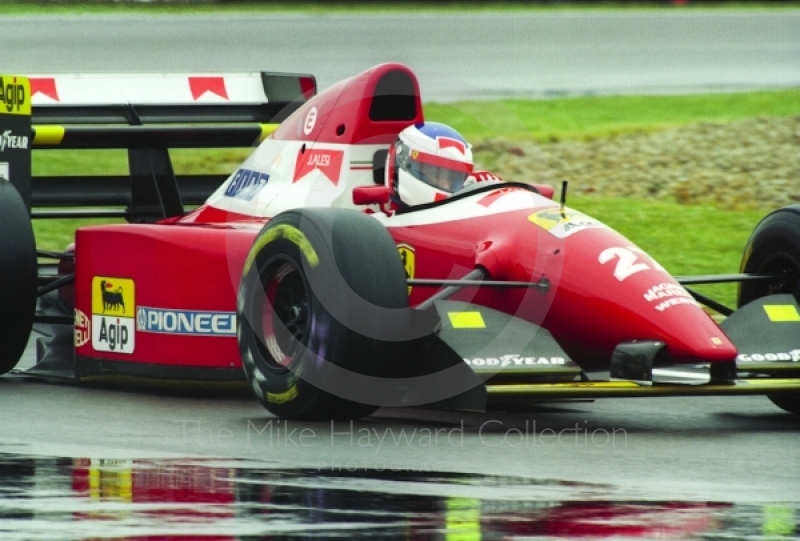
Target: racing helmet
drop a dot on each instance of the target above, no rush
(428, 162)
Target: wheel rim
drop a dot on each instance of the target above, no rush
(285, 315)
(782, 263)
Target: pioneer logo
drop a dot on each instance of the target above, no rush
(159, 320)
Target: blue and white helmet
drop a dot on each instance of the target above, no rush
(428, 162)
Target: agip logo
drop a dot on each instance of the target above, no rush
(15, 95)
(113, 314)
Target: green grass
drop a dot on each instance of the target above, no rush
(605, 116)
(56, 235)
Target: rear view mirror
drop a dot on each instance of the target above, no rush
(371, 195)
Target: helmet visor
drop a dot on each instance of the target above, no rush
(441, 173)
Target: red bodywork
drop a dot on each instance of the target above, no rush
(184, 274)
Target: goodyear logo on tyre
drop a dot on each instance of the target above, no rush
(113, 314)
(409, 261)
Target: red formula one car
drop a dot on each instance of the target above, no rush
(288, 273)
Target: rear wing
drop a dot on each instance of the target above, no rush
(145, 114)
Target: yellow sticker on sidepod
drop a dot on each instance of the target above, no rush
(779, 313)
(466, 320)
(113, 296)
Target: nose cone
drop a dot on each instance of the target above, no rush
(615, 292)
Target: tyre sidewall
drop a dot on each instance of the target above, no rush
(312, 245)
(18, 276)
(777, 234)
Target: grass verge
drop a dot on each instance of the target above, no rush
(587, 118)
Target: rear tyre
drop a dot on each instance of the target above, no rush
(18, 277)
(289, 337)
(774, 247)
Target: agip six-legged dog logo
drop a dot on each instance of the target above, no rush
(113, 299)
(113, 314)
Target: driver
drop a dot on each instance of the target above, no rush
(429, 162)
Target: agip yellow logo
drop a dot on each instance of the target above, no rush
(409, 261)
(15, 95)
(113, 296)
(113, 309)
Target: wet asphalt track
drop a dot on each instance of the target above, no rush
(104, 461)
(110, 459)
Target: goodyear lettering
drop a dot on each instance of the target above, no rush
(792, 356)
(246, 184)
(514, 360)
(13, 95)
(9, 140)
(665, 290)
(160, 320)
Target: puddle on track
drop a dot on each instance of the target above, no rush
(88, 499)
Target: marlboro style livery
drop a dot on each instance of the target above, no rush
(304, 273)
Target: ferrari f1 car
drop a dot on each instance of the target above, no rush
(297, 272)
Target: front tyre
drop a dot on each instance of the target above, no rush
(18, 276)
(307, 272)
(774, 248)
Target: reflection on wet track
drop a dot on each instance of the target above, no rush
(82, 499)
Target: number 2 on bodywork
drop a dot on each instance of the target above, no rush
(628, 262)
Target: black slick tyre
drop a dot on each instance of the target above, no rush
(309, 272)
(18, 276)
(774, 247)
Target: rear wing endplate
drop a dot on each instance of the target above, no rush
(146, 114)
